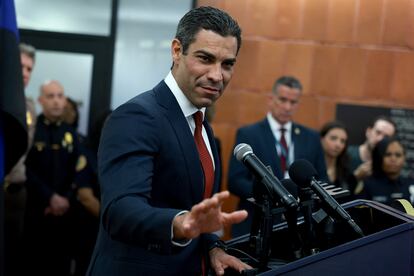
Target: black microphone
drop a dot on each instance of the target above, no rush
(303, 174)
(244, 153)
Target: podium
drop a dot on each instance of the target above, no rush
(386, 249)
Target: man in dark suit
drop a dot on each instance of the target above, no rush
(159, 205)
(277, 141)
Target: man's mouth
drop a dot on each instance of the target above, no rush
(210, 91)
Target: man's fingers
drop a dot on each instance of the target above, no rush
(219, 270)
(234, 217)
(206, 216)
(243, 266)
(221, 196)
(236, 264)
(224, 261)
(214, 202)
(206, 205)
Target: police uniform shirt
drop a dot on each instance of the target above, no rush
(384, 190)
(52, 160)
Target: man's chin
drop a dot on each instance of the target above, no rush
(283, 121)
(205, 103)
(56, 116)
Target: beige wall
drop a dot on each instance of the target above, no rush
(343, 51)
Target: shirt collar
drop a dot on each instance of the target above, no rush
(186, 106)
(275, 126)
(47, 121)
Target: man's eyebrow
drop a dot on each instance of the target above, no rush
(210, 55)
(204, 52)
(232, 60)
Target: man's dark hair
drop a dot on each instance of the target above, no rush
(288, 81)
(383, 118)
(28, 50)
(206, 18)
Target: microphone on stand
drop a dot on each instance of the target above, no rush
(303, 174)
(244, 153)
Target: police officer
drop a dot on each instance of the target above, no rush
(387, 184)
(51, 167)
(87, 206)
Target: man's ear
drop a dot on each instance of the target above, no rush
(270, 99)
(176, 50)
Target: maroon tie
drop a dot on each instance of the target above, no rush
(205, 157)
(284, 151)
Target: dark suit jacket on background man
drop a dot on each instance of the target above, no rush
(260, 137)
(265, 138)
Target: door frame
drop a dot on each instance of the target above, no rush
(102, 49)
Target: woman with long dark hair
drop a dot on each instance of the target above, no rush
(334, 140)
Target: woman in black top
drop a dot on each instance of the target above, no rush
(386, 183)
(334, 140)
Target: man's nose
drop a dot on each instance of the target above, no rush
(215, 73)
(288, 105)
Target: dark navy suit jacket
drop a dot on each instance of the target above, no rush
(149, 171)
(259, 136)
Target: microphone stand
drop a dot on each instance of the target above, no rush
(262, 225)
(291, 218)
(260, 239)
(310, 241)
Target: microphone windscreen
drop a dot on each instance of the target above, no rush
(301, 171)
(290, 186)
(241, 150)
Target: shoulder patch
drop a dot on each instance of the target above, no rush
(82, 162)
(39, 145)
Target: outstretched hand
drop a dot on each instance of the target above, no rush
(206, 217)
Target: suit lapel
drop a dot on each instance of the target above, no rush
(184, 137)
(296, 140)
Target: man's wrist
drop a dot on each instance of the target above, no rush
(218, 244)
(176, 233)
(177, 238)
